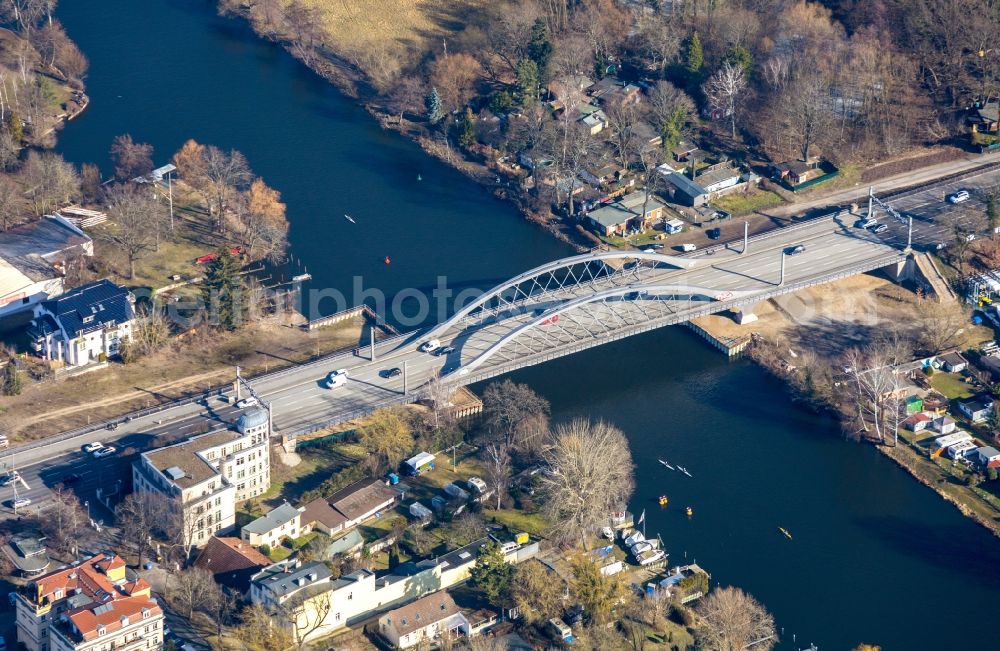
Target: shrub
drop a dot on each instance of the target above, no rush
(265, 550)
(991, 473)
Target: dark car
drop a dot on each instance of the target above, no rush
(69, 480)
(798, 248)
(392, 372)
(714, 233)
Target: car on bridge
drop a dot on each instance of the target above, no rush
(19, 502)
(9, 478)
(391, 372)
(247, 402)
(93, 447)
(105, 452)
(430, 346)
(793, 250)
(959, 197)
(879, 228)
(866, 223)
(447, 350)
(336, 378)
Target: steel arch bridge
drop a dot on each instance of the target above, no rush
(582, 301)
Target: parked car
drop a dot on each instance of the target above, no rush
(793, 250)
(714, 233)
(430, 346)
(19, 503)
(336, 378)
(687, 248)
(93, 447)
(391, 372)
(247, 402)
(959, 197)
(721, 215)
(656, 247)
(105, 452)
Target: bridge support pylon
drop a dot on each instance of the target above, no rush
(745, 315)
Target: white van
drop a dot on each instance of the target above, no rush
(336, 378)
(687, 248)
(430, 346)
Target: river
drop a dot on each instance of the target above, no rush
(875, 557)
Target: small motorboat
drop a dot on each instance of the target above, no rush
(684, 470)
(666, 464)
(608, 532)
(639, 548)
(388, 260)
(689, 511)
(651, 556)
(663, 500)
(349, 218)
(785, 532)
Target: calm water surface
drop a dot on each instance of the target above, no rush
(875, 557)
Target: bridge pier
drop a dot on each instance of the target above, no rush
(745, 314)
(903, 270)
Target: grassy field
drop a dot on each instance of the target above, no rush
(740, 204)
(391, 33)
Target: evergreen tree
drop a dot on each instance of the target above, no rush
(527, 82)
(16, 127)
(501, 102)
(467, 129)
(695, 56)
(433, 103)
(224, 291)
(992, 215)
(672, 129)
(540, 48)
(11, 379)
(492, 574)
(740, 56)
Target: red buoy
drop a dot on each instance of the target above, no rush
(387, 260)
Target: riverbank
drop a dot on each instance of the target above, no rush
(791, 339)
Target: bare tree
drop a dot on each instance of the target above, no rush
(225, 173)
(131, 159)
(591, 476)
(305, 615)
(261, 222)
(496, 457)
(876, 384)
(508, 408)
(12, 203)
(137, 217)
(732, 620)
(138, 516)
(64, 521)
(439, 394)
(49, 181)
(194, 589)
(257, 631)
(942, 324)
(537, 591)
(623, 116)
(725, 90)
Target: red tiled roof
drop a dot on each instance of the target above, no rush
(139, 585)
(319, 510)
(88, 576)
(110, 614)
(228, 556)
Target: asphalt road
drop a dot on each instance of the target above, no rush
(299, 397)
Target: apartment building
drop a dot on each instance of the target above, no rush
(210, 474)
(324, 604)
(88, 605)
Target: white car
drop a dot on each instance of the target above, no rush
(430, 346)
(247, 402)
(687, 248)
(959, 197)
(93, 447)
(336, 378)
(105, 452)
(19, 503)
